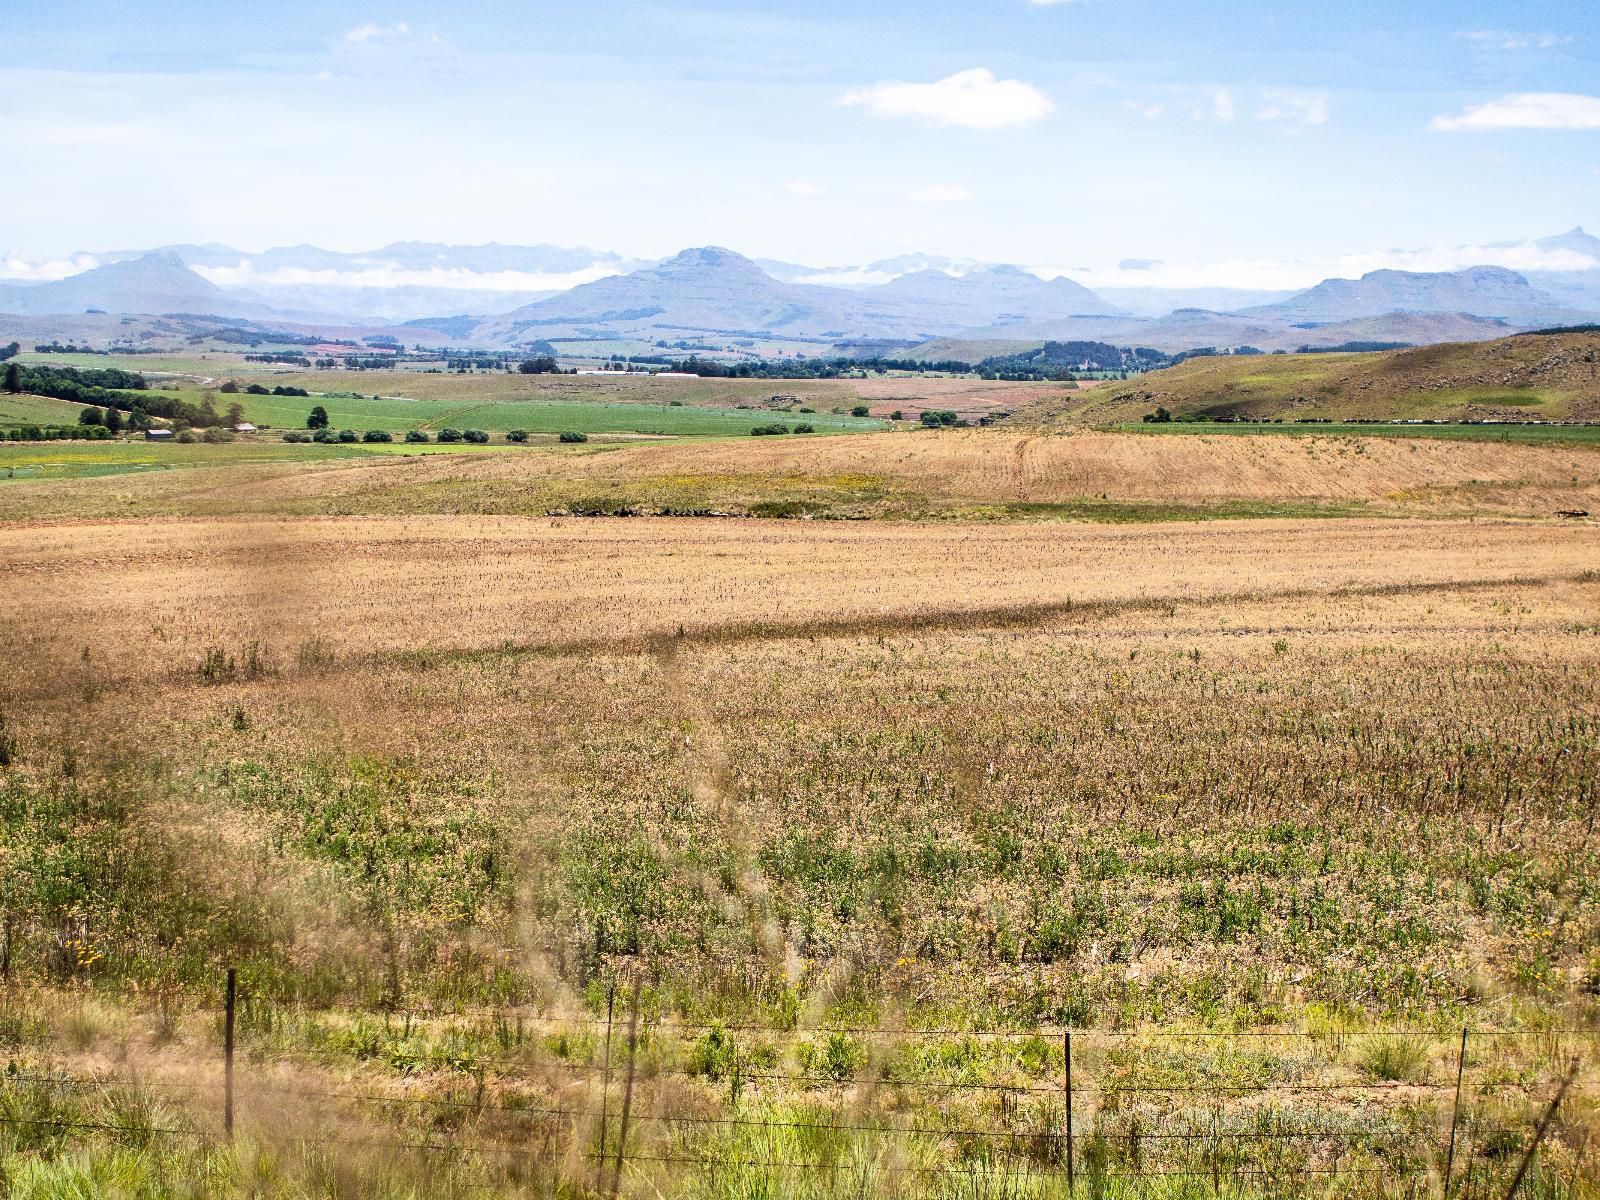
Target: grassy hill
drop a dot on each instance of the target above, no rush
(1547, 376)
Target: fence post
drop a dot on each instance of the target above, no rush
(1066, 1059)
(1542, 1126)
(605, 1092)
(227, 1052)
(1455, 1114)
(627, 1088)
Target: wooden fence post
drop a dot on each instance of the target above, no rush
(627, 1088)
(1066, 1058)
(605, 1091)
(1455, 1114)
(227, 1052)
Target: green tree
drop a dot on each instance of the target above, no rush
(235, 413)
(112, 420)
(90, 416)
(13, 382)
(318, 418)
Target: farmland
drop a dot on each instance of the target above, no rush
(871, 811)
(975, 475)
(1240, 773)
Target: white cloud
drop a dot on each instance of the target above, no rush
(1150, 112)
(372, 31)
(799, 187)
(245, 275)
(1294, 106)
(1222, 106)
(940, 193)
(972, 99)
(1294, 274)
(1501, 39)
(1527, 110)
(26, 269)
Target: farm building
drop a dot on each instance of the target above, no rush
(158, 435)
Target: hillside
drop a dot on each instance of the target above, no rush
(1548, 376)
(715, 291)
(158, 282)
(1492, 292)
(1191, 328)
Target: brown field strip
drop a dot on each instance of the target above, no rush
(381, 586)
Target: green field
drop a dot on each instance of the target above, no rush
(36, 410)
(536, 416)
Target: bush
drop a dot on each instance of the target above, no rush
(325, 436)
(416, 435)
(572, 436)
(255, 389)
(1394, 1059)
(935, 417)
(517, 435)
(476, 436)
(449, 435)
(348, 435)
(377, 435)
(292, 436)
(860, 410)
(805, 428)
(772, 430)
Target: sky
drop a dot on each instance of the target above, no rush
(1252, 144)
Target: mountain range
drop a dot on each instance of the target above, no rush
(714, 293)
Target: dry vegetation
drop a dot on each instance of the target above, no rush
(978, 474)
(1546, 376)
(433, 783)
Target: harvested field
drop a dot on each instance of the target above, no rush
(973, 474)
(372, 586)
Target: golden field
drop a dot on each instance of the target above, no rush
(978, 474)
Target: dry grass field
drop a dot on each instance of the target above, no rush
(1262, 813)
(977, 474)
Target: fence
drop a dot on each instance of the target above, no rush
(1036, 1112)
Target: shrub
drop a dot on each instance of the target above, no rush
(573, 437)
(186, 437)
(325, 436)
(933, 418)
(1394, 1059)
(348, 435)
(860, 410)
(416, 435)
(771, 430)
(377, 435)
(803, 427)
(476, 436)
(517, 435)
(213, 436)
(292, 436)
(255, 389)
(449, 435)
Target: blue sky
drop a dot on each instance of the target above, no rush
(1259, 142)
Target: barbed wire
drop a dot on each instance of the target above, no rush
(596, 1024)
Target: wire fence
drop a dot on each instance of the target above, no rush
(1104, 1109)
